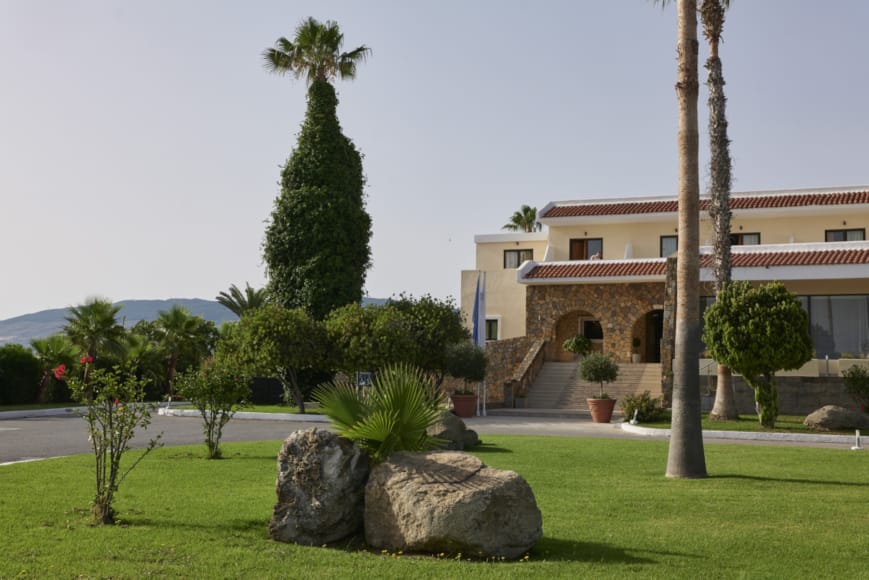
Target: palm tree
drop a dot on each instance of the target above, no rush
(180, 332)
(52, 352)
(686, 457)
(93, 327)
(720, 169)
(241, 303)
(315, 53)
(524, 220)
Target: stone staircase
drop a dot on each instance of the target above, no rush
(558, 386)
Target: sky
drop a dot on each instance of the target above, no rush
(141, 142)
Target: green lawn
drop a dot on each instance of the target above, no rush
(608, 512)
(783, 424)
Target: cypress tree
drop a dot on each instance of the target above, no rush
(317, 243)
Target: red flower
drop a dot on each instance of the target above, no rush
(86, 359)
(60, 372)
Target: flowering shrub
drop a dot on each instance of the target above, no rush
(114, 411)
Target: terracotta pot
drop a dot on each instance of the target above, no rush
(601, 409)
(464, 405)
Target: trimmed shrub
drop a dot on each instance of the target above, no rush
(20, 373)
(599, 368)
(648, 409)
(857, 385)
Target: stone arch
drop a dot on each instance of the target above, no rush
(616, 306)
(568, 325)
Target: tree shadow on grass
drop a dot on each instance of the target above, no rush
(561, 550)
(484, 448)
(789, 480)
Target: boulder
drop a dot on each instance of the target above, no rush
(454, 432)
(448, 501)
(320, 488)
(834, 418)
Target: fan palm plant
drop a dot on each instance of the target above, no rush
(391, 416)
(240, 302)
(524, 220)
(315, 53)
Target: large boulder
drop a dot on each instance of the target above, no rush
(454, 432)
(834, 418)
(448, 501)
(320, 487)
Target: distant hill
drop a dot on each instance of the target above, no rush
(22, 329)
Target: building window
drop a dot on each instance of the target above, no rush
(669, 245)
(854, 235)
(492, 328)
(840, 325)
(586, 248)
(591, 329)
(514, 258)
(744, 239)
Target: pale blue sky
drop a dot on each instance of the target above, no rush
(140, 142)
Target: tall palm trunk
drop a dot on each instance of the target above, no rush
(712, 14)
(686, 457)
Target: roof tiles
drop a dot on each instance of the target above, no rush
(736, 202)
(657, 268)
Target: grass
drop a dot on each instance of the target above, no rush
(608, 512)
(783, 424)
(37, 406)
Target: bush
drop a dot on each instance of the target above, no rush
(857, 384)
(599, 368)
(579, 344)
(217, 393)
(648, 409)
(20, 373)
(392, 415)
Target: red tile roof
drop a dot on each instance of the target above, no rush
(633, 269)
(598, 269)
(737, 201)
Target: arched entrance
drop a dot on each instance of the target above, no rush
(571, 324)
(647, 333)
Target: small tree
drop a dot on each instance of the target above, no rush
(217, 392)
(436, 324)
(467, 361)
(114, 411)
(368, 338)
(276, 342)
(857, 385)
(599, 368)
(756, 332)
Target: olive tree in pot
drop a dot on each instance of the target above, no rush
(599, 368)
(467, 362)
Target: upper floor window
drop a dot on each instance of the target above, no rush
(514, 258)
(669, 245)
(854, 235)
(586, 248)
(493, 329)
(744, 239)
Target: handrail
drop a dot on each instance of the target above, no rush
(526, 372)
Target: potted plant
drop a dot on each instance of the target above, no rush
(635, 355)
(579, 345)
(600, 368)
(467, 362)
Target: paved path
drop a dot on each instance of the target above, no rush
(28, 436)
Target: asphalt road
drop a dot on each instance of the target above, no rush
(55, 436)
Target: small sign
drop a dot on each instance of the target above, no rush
(364, 378)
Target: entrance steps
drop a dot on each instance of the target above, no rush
(559, 388)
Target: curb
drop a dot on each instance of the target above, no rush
(745, 435)
(299, 418)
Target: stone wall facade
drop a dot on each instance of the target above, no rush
(505, 357)
(552, 313)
